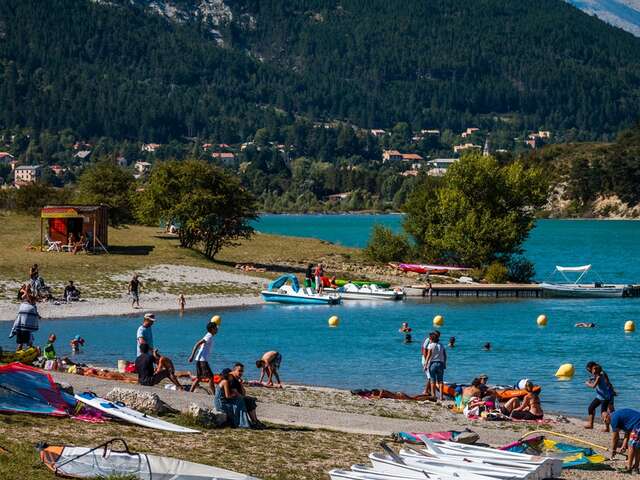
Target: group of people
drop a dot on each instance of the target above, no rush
(229, 393)
(314, 276)
(37, 288)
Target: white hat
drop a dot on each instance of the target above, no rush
(150, 316)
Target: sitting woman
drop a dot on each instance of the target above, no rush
(527, 409)
(471, 391)
(230, 399)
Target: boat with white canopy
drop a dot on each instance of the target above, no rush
(597, 289)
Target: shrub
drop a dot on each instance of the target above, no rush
(496, 272)
(521, 270)
(385, 246)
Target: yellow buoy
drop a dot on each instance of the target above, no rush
(216, 319)
(334, 320)
(542, 320)
(438, 320)
(629, 326)
(566, 371)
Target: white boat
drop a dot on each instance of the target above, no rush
(550, 467)
(577, 289)
(278, 291)
(399, 467)
(369, 473)
(351, 291)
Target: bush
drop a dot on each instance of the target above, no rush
(521, 270)
(496, 272)
(385, 246)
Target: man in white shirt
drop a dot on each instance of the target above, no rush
(200, 353)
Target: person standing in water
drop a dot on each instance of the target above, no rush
(436, 363)
(406, 330)
(605, 394)
(182, 302)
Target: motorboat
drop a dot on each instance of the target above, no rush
(351, 291)
(597, 289)
(282, 292)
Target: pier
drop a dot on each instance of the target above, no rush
(494, 290)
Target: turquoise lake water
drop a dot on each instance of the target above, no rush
(366, 350)
(611, 246)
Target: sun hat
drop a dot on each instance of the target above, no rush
(150, 316)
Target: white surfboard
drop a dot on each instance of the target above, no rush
(121, 411)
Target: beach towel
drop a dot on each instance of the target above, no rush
(377, 394)
(572, 456)
(467, 436)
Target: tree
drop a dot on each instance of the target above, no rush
(107, 183)
(385, 246)
(480, 211)
(210, 207)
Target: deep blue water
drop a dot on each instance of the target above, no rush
(611, 246)
(366, 350)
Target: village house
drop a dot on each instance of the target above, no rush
(226, 157)
(411, 157)
(439, 166)
(26, 174)
(150, 147)
(336, 197)
(377, 132)
(82, 154)
(57, 169)
(465, 146)
(532, 142)
(469, 131)
(80, 145)
(6, 158)
(391, 156)
(142, 168)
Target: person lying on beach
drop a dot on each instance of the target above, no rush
(406, 330)
(626, 420)
(201, 352)
(585, 325)
(269, 364)
(605, 394)
(527, 409)
(150, 376)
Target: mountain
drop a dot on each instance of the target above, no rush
(160, 70)
(621, 13)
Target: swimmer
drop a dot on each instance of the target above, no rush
(585, 325)
(452, 342)
(487, 347)
(76, 342)
(406, 329)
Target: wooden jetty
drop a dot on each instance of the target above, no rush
(495, 290)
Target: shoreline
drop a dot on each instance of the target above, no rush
(121, 307)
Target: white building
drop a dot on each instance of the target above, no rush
(26, 174)
(439, 166)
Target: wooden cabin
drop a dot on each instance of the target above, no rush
(57, 222)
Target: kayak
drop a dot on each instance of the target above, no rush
(27, 356)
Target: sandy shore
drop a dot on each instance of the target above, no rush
(340, 411)
(166, 281)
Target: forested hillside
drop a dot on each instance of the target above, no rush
(119, 70)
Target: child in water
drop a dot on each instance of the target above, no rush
(406, 329)
(605, 394)
(76, 342)
(452, 342)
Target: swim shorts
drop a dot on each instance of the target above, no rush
(436, 371)
(203, 370)
(134, 296)
(634, 439)
(277, 360)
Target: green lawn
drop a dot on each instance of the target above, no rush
(278, 453)
(136, 247)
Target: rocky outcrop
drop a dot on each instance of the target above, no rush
(142, 401)
(207, 417)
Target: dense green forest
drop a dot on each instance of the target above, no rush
(115, 69)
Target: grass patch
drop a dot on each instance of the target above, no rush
(278, 453)
(137, 247)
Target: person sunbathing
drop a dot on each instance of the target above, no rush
(528, 408)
